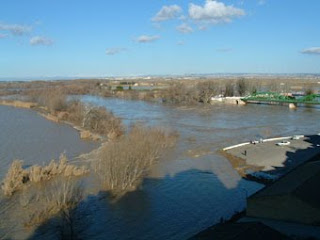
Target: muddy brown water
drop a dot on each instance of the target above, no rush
(191, 189)
(27, 136)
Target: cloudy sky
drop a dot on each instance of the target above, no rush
(45, 38)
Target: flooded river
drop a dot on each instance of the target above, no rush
(191, 189)
(195, 187)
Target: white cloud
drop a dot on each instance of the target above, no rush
(180, 43)
(184, 28)
(312, 50)
(214, 12)
(167, 13)
(114, 51)
(147, 38)
(3, 35)
(182, 17)
(15, 29)
(38, 40)
(262, 2)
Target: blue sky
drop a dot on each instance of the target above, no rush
(45, 38)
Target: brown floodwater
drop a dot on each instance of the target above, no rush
(27, 136)
(191, 189)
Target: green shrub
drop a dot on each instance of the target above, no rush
(119, 88)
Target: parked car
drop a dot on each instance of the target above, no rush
(283, 143)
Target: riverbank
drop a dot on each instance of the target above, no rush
(18, 104)
(57, 117)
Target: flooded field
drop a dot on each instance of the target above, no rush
(191, 189)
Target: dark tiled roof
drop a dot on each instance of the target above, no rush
(240, 231)
(304, 179)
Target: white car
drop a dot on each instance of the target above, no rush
(283, 143)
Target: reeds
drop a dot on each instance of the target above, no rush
(14, 179)
(17, 177)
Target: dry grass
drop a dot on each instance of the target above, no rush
(122, 164)
(17, 177)
(44, 173)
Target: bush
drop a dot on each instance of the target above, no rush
(206, 91)
(76, 111)
(122, 164)
(14, 179)
(99, 120)
(56, 199)
(119, 88)
(309, 91)
(180, 93)
(17, 177)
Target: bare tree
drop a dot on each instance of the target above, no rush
(229, 92)
(180, 93)
(309, 91)
(206, 91)
(274, 86)
(241, 86)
